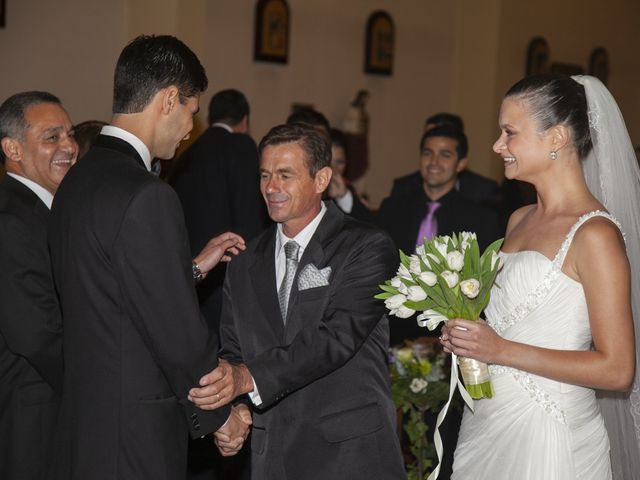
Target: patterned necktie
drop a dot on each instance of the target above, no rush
(429, 226)
(291, 249)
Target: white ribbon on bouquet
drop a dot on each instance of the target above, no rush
(453, 384)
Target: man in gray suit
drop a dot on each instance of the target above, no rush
(302, 332)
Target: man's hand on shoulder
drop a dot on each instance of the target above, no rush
(221, 386)
(219, 249)
(231, 436)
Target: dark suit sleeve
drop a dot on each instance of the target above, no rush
(248, 211)
(29, 312)
(155, 273)
(349, 318)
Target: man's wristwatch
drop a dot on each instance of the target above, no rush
(198, 276)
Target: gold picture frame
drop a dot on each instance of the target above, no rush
(271, 33)
(379, 44)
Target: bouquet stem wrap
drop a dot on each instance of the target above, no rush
(476, 377)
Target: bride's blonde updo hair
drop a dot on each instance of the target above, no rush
(554, 99)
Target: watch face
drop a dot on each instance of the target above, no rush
(197, 274)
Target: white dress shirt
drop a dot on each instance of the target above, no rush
(132, 140)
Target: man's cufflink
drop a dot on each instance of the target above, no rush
(197, 273)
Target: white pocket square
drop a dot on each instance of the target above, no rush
(311, 277)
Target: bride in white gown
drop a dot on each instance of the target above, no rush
(560, 322)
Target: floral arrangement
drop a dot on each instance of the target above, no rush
(447, 278)
(418, 384)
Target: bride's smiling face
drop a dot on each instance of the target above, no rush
(522, 147)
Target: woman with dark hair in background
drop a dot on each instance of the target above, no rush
(561, 324)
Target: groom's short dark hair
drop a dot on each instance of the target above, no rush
(315, 144)
(150, 63)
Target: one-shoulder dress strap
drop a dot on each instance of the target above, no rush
(558, 261)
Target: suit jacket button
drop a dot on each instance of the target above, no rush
(194, 415)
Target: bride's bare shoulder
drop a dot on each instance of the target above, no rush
(517, 216)
(598, 234)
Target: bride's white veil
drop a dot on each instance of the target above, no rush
(612, 174)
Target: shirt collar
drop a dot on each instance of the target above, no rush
(223, 125)
(131, 139)
(304, 237)
(42, 193)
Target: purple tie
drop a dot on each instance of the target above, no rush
(429, 226)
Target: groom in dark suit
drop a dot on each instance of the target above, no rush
(134, 339)
(38, 149)
(301, 329)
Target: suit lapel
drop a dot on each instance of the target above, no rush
(27, 197)
(263, 279)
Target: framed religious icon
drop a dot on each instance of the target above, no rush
(380, 39)
(2, 13)
(599, 64)
(537, 57)
(271, 33)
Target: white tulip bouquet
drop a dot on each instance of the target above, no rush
(447, 278)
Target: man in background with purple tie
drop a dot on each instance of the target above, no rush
(435, 207)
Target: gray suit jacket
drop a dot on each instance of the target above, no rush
(327, 411)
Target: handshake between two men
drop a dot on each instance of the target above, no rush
(217, 389)
(226, 382)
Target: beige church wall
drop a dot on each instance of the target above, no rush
(573, 29)
(456, 56)
(67, 47)
(325, 69)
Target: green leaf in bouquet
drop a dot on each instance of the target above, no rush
(389, 289)
(434, 292)
(407, 282)
(474, 255)
(420, 306)
(404, 259)
(449, 294)
(440, 265)
(384, 296)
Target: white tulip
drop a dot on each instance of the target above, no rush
(420, 250)
(394, 302)
(455, 260)
(416, 294)
(403, 272)
(433, 258)
(441, 247)
(414, 265)
(404, 312)
(468, 236)
(396, 282)
(470, 288)
(430, 319)
(403, 289)
(450, 277)
(429, 278)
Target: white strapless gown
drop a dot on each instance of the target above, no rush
(535, 428)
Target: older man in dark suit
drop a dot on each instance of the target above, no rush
(134, 339)
(302, 331)
(37, 150)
